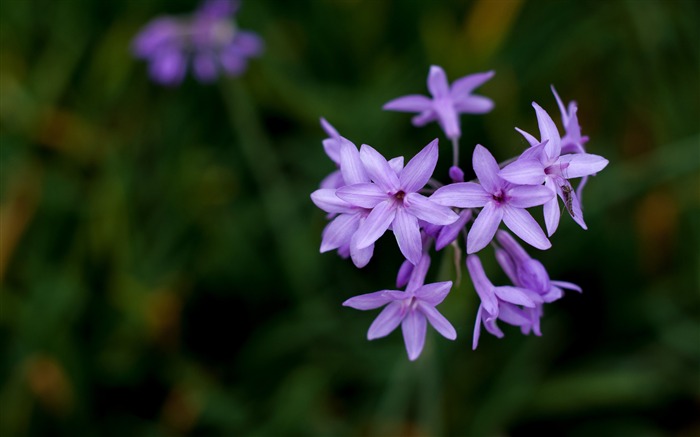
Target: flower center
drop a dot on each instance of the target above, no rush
(499, 196)
(400, 195)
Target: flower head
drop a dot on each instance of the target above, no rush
(501, 201)
(208, 38)
(447, 101)
(544, 163)
(411, 309)
(394, 200)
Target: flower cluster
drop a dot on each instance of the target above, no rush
(369, 195)
(208, 39)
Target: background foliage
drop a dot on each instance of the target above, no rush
(159, 252)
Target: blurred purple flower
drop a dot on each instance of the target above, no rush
(208, 38)
(501, 201)
(544, 163)
(394, 200)
(447, 101)
(410, 309)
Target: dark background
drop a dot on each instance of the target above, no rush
(159, 254)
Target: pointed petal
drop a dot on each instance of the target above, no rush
(484, 227)
(482, 285)
(530, 139)
(404, 273)
(420, 168)
(439, 322)
(376, 223)
(387, 320)
(513, 315)
(526, 196)
(414, 327)
(582, 164)
(367, 301)
(477, 329)
(424, 118)
(350, 164)
(524, 226)
(329, 129)
(506, 263)
(486, 169)
(437, 82)
(548, 131)
(417, 278)
(407, 234)
(514, 295)
(567, 285)
(411, 103)
(333, 181)
(448, 118)
(535, 152)
(474, 105)
(332, 148)
(562, 109)
(449, 233)
(574, 209)
(524, 171)
(434, 293)
(326, 199)
(464, 86)
(362, 195)
(379, 169)
(552, 214)
(339, 232)
(360, 257)
(429, 211)
(396, 164)
(461, 195)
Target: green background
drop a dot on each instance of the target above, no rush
(159, 251)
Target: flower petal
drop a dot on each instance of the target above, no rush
(437, 82)
(530, 139)
(414, 327)
(439, 322)
(387, 320)
(396, 164)
(484, 227)
(379, 169)
(326, 199)
(448, 118)
(417, 278)
(429, 211)
(449, 233)
(524, 226)
(434, 293)
(552, 214)
(350, 164)
(331, 131)
(474, 105)
(548, 131)
(404, 273)
(420, 168)
(477, 329)
(407, 234)
(411, 103)
(461, 195)
(526, 196)
(567, 285)
(513, 295)
(424, 118)
(365, 195)
(376, 223)
(339, 231)
(464, 86)
(582, 164)
(513, 315)
(573, 206)
(562, 109)
(486, 169)
(524, 171)
(360, 257)
(482, 285)
(368, 301)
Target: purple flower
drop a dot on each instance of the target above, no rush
(501, 201)
(209, 39)
(572, 141)
(530, 274)
(394, 200)
(543, 163)
(498, 303)
(410, 309)
(447, 101)
(331, 146)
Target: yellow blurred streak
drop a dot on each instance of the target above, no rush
(16, 211)
(162, 314)
(48, 382)
(488, 24)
